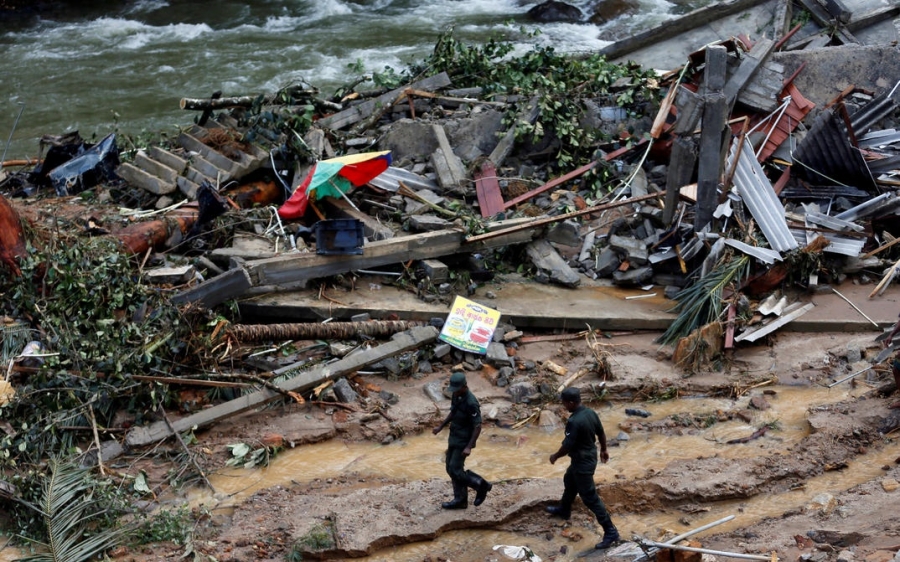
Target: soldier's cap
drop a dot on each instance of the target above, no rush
(457, 381)
(571, 394)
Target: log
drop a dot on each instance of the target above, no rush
(12, 237)
(212, 104)
(139, 237)
(310, 330)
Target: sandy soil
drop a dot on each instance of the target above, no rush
(370, 514)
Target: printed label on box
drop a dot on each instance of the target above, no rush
(470, 326)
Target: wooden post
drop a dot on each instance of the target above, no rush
(715, 108)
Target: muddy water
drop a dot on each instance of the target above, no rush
(509, 454)
(506, 454)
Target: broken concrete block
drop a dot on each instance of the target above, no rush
(170, 275)
(428, 223)
(565, 233)
(607, 263)
(633, 277)
(344, 392)
(497, 356)
(547, 259)
(436, 270)
(635, 251)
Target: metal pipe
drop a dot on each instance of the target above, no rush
(848, 377)
(713, 552)
(685, 535)
(863, 314)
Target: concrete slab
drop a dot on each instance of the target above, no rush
(529, 305)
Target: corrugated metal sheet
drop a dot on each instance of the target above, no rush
(838, 244)
(823, 192)
(865, 209)
(764, 255)
(755, 190)
(389, 180)
(872, 112)
(825, 156)
(879, 138)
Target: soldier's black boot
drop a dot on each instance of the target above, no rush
(460, 497)
(610, 536)
(558, 511)
(481, 487)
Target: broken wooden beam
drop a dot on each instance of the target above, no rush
(533, 223)
(674, 27)
(359, 112)
(145, 435)
(715, 114)
(294, 268)
(213, 292)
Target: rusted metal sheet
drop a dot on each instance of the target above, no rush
(487, 188)
(754, 188)
(826, 155)
(779, 130)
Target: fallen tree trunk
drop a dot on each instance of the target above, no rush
(140, 237)
(202, 104)
(310, 330)
(12, 237)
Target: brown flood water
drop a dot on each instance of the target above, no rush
(509, 454)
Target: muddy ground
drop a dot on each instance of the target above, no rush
(371, 514)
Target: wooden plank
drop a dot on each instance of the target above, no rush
(715, 114)
(404, 341)
(297, 268)
(821, 16)
(673, 27)
(837, 9)
(447, 166)
(748, 68)
(871, 18)
(487, 188)
(551, 184)
(679, 173)
(359, 112)
(505, 146)
(231, 284)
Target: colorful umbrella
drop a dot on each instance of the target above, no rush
(334, 178)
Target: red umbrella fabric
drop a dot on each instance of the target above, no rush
(334, 178)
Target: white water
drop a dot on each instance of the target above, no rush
(110, 68)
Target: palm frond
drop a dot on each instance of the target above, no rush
(71, 510)
(701, 302)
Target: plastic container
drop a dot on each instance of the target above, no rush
(339, 237)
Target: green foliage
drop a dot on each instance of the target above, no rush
(281, 124)
(701, 302)
(560, 84)
(100, 325)
(166, 525)
(243, 455)
(76, 516)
